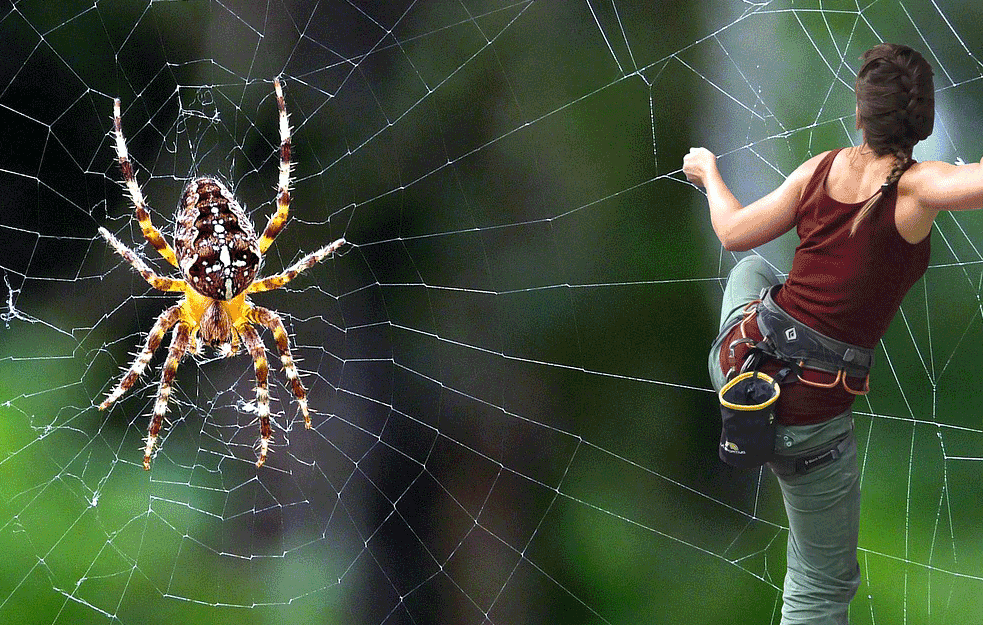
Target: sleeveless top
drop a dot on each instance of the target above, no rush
(848, 288)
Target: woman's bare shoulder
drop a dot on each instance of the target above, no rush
(804, 172)
(812, 164)
(944, 186)
(924, 169)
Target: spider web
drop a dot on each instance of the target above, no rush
(513, 421)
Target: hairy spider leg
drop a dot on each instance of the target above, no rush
(164, 323)
(151, 233)
(302, 265)
(179, 345)
(279, 219)
(258, 351)
(159, 283)
(272, 320)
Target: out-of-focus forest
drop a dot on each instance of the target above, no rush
(513, 422)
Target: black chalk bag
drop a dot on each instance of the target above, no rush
(747, 407)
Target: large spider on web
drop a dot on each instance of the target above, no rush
(218, 255)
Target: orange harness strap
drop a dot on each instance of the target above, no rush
(750, 312)
(840, 379)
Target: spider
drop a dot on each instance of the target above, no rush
(218, 255)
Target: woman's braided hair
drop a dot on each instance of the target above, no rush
(895, 109)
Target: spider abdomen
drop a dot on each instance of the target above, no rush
(215, 244)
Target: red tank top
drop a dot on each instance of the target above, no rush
(848, 288)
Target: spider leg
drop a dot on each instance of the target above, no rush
(150, 233)
(159, 283)
(164, 322)
(279, 219)
(305, 263)
(271, 320)
(258, 351)
(179, 344)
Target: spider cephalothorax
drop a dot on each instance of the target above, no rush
(219, 256)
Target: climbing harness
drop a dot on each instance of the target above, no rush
(793, 342)
(748, 399)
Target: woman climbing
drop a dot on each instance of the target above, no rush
(864, 218)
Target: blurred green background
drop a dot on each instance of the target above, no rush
(513, 418)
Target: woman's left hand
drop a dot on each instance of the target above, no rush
(698, 165)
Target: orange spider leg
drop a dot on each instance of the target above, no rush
(179, 345)
(258, 351)
(271, 320)
(151, 233)
(279, 219)
(159, 283)
(164, 322)
(302, 265)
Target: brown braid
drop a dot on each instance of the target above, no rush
(896, 109)
(902, 161)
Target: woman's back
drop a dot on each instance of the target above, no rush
(846, 283)
(856, 175)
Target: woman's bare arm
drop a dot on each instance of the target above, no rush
(946, 187)
(741, 228)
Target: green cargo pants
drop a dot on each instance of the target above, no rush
(823, 506)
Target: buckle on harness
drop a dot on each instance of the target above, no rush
(736, 342)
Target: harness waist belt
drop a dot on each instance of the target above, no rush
(812, 459)
(795, 342)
